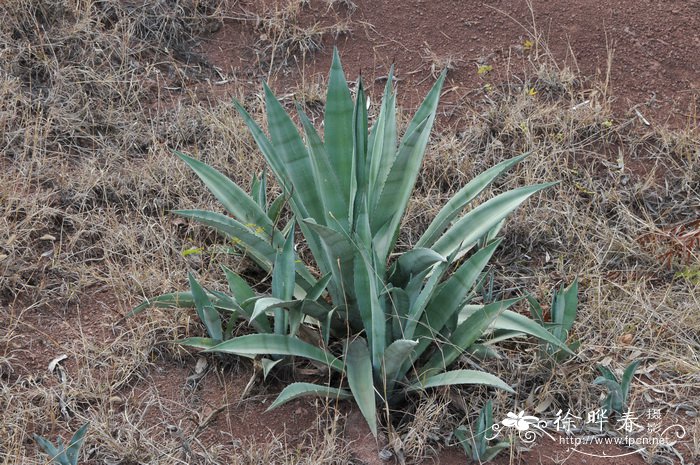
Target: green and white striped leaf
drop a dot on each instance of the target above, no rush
(198, 342)
(296, 390)
(401, 178)
(338, 132)
(238, 286)
(335, 206)
(277, 344)
(451, 378)
(291, 151)
(232, 197)
(475, 224)
(206, 311)
(513, 321)
(394, 357)
(360, 379)
(382, 142)
(462, 198)
(465, 335)
(170, 300)
(449, 298)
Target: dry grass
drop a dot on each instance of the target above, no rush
(88, 177)
(285, 36)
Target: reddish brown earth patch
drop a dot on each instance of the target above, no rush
(653, 46)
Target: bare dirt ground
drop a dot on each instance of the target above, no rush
(96, 95)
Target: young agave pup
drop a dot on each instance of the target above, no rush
(403, 317)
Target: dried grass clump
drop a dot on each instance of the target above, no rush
(623, 219)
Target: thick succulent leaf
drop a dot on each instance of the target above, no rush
(268, 365)
(339, 254)
(291, 150)
(259, 190)
(206, 311)
(383, 140)
(308, 307)
(414, 262)
(275, 210)
(564, 306)
(277, 344)
(462, 198)
(296, 390)
(483, 427)
(269, 152)
(169, 300)
(415, 313)
(315, 309)
(360, 183)
(254, 245)
(223, 302)
(238, 286)
(475, 224)
(615, 394)
(335, 206)
(370, 306)
(57, 455)
(484, 352)
(338, 134)
(627, 376)
(449, 298)
(513, 321)
(464, 437)
(394, 357)
(607, 373)
(360, 379)
(460, 377)
(318, 288)
(400, 303)
(401, 178)
(398, 187)
(249, 238)
(465, 335)
(283, 279)
(231, 196)
(536, 310)
(198, 342)
(491, 452)
(184, 300)
(76, 443)
(265, 304)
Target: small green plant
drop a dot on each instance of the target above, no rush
(563, 315)
(401, 317)
(476, 444)
(60, 454)
(618, 391)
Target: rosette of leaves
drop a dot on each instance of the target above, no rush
(62, 454)
(403, 316)
(478, 442)
(618, 390)
(562, 318)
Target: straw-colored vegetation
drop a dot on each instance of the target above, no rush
(94, 99)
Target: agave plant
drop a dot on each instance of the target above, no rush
(401, 315)
(618, 390)
(477, 442)
(61, 454)
(563, 314)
